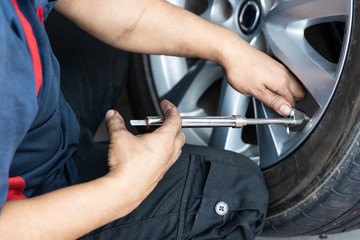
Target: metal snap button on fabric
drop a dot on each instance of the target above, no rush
(221, 208)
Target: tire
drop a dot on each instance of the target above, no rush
(314, 185)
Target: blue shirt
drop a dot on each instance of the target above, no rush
(38, 129)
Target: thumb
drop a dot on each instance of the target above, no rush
(114, 122)
(172, 122)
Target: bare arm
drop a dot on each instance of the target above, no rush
(158, 27)
(146, 26)
(64, 214)
(137, 163)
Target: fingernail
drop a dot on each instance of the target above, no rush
(285, 110)
(109, 114)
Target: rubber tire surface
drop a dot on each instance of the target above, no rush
(315, 190)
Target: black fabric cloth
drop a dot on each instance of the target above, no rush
(92, 73)
(182, 206)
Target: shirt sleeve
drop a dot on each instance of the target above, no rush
(47, 8)
(18, 100)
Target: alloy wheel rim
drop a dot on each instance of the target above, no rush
(280, 31)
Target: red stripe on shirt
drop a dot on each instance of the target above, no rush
(40, 12)
(30, 38)
(17, 184)
(16, 189)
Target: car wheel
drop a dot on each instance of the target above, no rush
(312, 174)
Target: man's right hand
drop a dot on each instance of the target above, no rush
(255, 74)
(143, 160)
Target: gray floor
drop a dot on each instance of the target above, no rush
(125, 110)
(353, 235)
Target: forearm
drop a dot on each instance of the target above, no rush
(150, 26)
(67, 213)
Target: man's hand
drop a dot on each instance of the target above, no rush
(143, 160)
(137, 164)
(254, 73)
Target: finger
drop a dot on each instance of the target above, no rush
(172, 122)
(285, 93)
(282, 87)
(276, 102)
(297, 89)
(114, 122)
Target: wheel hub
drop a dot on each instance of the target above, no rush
(249, 16)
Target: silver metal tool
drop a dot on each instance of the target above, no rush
(237, 121)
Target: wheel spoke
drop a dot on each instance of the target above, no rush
(231, 103)
(186, 93)
(267, 5)
(311, 11)
(284, 32)
(271, 138)
(259, 42)
(167, 71)
(177, 93)
(218, 11)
